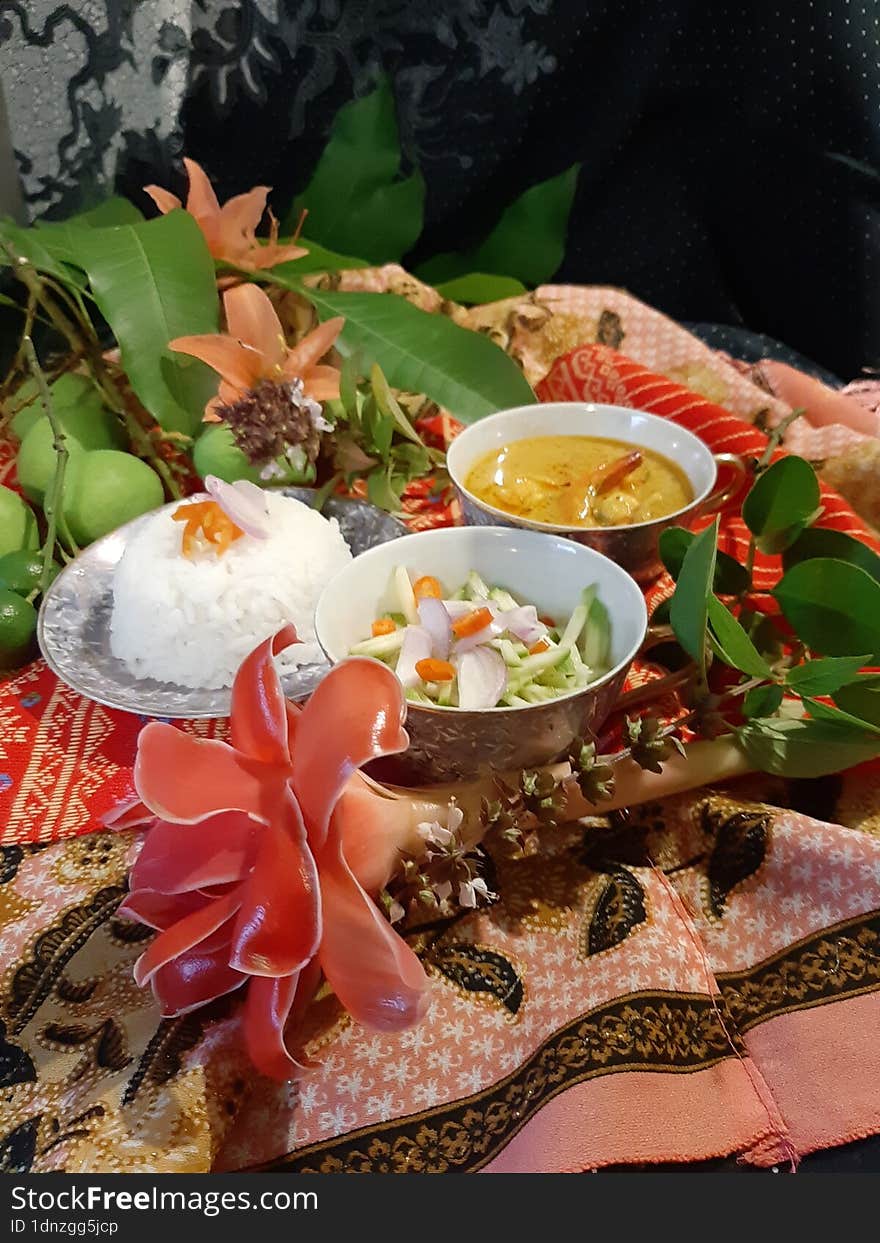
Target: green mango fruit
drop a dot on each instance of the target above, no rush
(108, 488)
(18, 526)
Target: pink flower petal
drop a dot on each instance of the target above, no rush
(259, 719)
(355, 715)
(192, 980)
(374, 973)
(374, 829)
(272, 1006)
(185, 779)
(130, 815)
(184, 935)
(279, 922)
(180, 857)
(159, 910)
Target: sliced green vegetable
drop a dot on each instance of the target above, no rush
(405, 595)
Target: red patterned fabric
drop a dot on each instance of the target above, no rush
(598, 373)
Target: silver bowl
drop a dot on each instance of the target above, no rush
(454, 744)
(634, 547)
(73, 628)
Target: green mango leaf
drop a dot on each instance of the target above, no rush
(805, 748)
(826, 712)
(762, 700)
(861, 698)
(478, 288)
(152, 282)
(463, 371)
(688, 612)
(61, 237)
(731, 578)
(822, 542)
(29, 244)
(733, 644)
(528, 241)
(356, 200)
(824, 677)
(833, 606)
(782, 501)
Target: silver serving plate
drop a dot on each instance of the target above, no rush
(73, 629)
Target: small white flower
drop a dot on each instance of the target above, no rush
(471, 892)
(316, 414)
(436, 834)
(443, 890)
(395, 912)
(271, 471)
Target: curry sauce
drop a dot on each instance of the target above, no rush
(579, 481)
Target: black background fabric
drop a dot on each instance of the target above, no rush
(729, 150)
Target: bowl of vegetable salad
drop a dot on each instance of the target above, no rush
(509, 644)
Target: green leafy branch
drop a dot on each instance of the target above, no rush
(359, 203)
(829, 630)
(373, 439)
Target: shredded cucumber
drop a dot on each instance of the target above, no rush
(381, 645)
(475, 588)
(596, 641)
(405, 595)
(503, 598)
(576, 654)
(512, 657)
(444, 693)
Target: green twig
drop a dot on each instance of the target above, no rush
(61, 456)
(750, 562)
(775, 437)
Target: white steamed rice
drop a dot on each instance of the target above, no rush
(192, 622)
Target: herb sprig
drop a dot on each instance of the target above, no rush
(374, 440)
(817, 647)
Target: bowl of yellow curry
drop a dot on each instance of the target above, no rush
(606, 476)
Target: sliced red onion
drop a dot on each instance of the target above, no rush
(523, 623)
(416, 646)
(458, 608)
(482, 677)
(254, 492)
(436, 620)
(472, 641)
(243, 502)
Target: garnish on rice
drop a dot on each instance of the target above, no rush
(207, 523)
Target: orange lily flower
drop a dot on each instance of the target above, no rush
(230, 230)
(255, 350)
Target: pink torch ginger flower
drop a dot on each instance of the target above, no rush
(256, 867)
